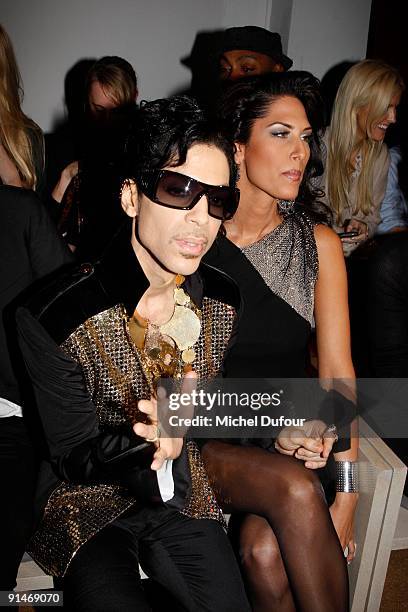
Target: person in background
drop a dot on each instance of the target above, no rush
(63, 144)
(220, 57)
(21, 140)
(250, 51)
(356, 158)
(91, 186)
(29, 249)
(394, 208)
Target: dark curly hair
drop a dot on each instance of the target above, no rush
(249, 99)
(166, 129)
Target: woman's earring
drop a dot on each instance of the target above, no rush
(286, 207)
(238, 173)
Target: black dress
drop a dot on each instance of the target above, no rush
(276, 277)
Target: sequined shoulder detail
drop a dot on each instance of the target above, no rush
(287, 260)
(110, 366)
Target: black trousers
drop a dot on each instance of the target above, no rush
(18, 472)
(191, 558)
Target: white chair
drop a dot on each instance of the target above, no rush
(382, 477)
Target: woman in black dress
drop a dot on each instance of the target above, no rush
(290, 269)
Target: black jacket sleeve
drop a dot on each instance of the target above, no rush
(79, 450)
(45, 249)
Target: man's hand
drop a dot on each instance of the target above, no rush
(311, 443)
(167, 448)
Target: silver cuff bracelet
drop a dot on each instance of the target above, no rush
(346, 476)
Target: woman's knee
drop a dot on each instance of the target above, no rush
(260, 554)
(303, 488)
(263, 565)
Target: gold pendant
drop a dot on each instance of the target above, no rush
(160, 343)
(184, 327)
(188, 355)
(154, 353)
(180, 297)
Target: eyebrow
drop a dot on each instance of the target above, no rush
(307, 128)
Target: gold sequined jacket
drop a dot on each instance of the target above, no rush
(88, 376)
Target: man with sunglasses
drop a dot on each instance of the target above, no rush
(96, 342)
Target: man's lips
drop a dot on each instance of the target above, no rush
(193, 246)
(293, 175)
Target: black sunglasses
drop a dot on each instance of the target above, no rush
(176, 190)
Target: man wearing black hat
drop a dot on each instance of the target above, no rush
(222, 56)
(249, 51)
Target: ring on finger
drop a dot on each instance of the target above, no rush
(157, 436)
(331, 432)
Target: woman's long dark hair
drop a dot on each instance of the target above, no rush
(249, 99)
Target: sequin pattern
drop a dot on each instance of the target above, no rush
(286, 258)
(73, 515)
(202, 502)
(117, 376)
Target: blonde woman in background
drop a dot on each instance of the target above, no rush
(21, 140)
(357, 159)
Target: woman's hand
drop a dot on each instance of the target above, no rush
(342, 512)
(66, 177)
(350, 244)
(354, 225)
(311, 443)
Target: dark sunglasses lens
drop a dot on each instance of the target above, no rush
(176, 190)
(180, 191)
(222, 202)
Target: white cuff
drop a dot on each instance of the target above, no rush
(165, 480)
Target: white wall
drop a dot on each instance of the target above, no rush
(237, 13)
(50, 36)
(325, 32)
(280, 20)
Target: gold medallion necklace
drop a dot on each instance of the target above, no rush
(166, 344)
